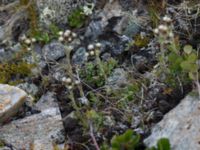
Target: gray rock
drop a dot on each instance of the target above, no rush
(40, 130)
(128, 4)
(53, 51)
(132, 28)
(11, 100)
(117, 79)
(129, 25)
(58, 136)
(145, 58)
(79, 56)
(180, 125)
(46, 101)
(115, 44)
(110, 10)
(58, 73)
(30, 88)
(94, 29)
(5, 55)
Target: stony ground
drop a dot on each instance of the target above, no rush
(78, 74)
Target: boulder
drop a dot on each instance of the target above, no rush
(11, 100)
(180, 125)
(39, 130)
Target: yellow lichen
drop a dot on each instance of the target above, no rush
(140, 41)
(9, 71)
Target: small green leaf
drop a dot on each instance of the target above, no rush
(188, 49)
(163, 144)
(188, 66)
(192, 58)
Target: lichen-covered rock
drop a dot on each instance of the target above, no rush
(53, 51)
(11, 100)
(30, 88)
(56, 11)
(117, 79)
(180, 125)
(79, 56)
(40, 130)
(47, 100)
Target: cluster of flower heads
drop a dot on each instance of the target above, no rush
(165, 30)
(28, 41)
(66, 36)
(70, 83)
(93, 49)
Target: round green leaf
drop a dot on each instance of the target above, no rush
(188, 49)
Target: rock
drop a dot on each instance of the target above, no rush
(11, 100)
(40, 130)
(94, 29)
(145, 58)
(128, 4)
(79, 56)
(114, 43)
(30, 88)
(56, 11)
(46, 101)
(117, 79)
(129, 24)
(180, 125)
(131, 29)
(53, 51)
(58, 73)
(111, 9)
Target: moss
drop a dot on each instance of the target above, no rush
(2, 143)
(9, 71)
(93, 75)
(141, 41)
(77, 18)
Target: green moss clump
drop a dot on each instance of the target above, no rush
(77, 18)
(9, 71)
(93, 75)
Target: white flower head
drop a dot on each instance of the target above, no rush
(27, 41)
(162, 27)
(67, 33)
(60, 33)
(98, 45)
(60, 39)
(33, 40)
(167, 19)
(90, 47)
(69, 87)
(92, 53)
(156, 31)
(74, 35)
(77, 82)
(86, 54)
(69, 39)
